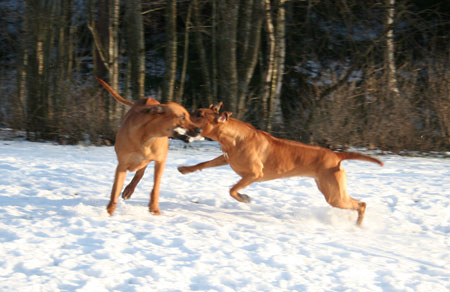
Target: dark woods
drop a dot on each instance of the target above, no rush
(334, 73)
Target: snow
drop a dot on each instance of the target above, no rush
(55, 234)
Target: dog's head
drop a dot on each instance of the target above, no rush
(174, 121)
(208, 119)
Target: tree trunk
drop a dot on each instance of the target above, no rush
(22, 70)
(276, 51)
(275, 114)
(98, 28)
(227, 29)
(113, 51)
(390, 66)
(63, 62)
(214, 85)
(113, 43)
(250, 38)
(266, 97)
(202, 53)
(106, 58)
(180, 91)
(136, 48)
(171, 50)
(39, 38)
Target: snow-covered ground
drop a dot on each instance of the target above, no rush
(55, 234)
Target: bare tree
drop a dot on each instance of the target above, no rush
(390, 48)
(64, 60)
(22, 65)
(46, 65)
(171, 50)
(250, 44)
(113, 43)
(331, 66)
(271, 89)
(105, 33)
(39, 38)
(238, 50)
(188, 25)
(227, 54)
(201, 48)
(136, 48)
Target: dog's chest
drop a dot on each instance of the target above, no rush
(225, 155)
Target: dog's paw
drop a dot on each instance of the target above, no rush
(110, 208)
(127, 192)
(155, 212)
(245, 198)
(184, 169)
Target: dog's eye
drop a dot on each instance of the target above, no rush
(183, 118)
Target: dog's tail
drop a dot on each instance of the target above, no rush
(114, 93)
(358, 156)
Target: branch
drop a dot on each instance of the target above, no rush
(98, 46)
(151, 10)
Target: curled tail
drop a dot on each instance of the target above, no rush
(114, 93)
(358, 156)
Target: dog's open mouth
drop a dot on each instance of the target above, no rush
(182, 134)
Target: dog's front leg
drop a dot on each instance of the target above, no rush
(218, 161)
(154, 197)
(119, 179)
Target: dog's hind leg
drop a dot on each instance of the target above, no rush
(332, 184)
(129, 189)
(244, 182)
(119, 179)
(253, 174)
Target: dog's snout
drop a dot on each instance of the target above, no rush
(194, 132)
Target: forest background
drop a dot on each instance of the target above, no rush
(342, 73)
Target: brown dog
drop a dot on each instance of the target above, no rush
(142, 138)
(257, 156)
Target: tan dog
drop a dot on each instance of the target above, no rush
(257, 156)
(142, 138)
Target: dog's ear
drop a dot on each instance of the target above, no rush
(225, 116)
(216, 108)
(153, 109)
(151, 101)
